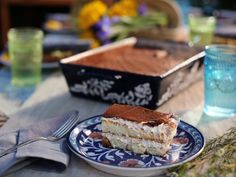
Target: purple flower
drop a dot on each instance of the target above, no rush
(102, 35)
(102, 29)
(103, 24)
(142, 9)
(115, 19)
(108, 41)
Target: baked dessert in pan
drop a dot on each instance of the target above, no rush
(133, 71)
(139, 59)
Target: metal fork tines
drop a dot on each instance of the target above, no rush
(72, 119)
(65, 128)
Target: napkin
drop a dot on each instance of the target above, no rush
(54, 151)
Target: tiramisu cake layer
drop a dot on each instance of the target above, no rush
(146, 61)
(138, 129)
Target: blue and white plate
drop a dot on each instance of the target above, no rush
(85, 141)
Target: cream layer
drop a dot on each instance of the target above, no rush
(136, 145)
(162, 132)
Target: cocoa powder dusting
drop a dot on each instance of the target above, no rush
(144, 61)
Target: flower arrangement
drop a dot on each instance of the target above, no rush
(104, 21)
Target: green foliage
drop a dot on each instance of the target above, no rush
(218, 159)
(128, 25)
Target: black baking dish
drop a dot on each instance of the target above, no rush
(130, 88)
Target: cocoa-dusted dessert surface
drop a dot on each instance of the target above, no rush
(146, 61)
(138, 114)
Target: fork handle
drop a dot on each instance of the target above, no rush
(12, 149)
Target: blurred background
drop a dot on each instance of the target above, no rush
(59, 21)
(16, 13)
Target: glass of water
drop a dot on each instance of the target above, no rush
(25, 50)
(220, 80)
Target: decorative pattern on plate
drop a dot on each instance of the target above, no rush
(140, 95)
(85, 141)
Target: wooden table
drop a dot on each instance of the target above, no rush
(52, 98)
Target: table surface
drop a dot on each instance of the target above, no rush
(52, 98)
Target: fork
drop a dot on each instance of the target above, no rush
(72, 119)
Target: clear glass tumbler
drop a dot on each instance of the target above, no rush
(220, 80)
(201, 29)
(25, 50)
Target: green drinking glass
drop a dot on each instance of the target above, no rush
(25, 51)
(201, 30)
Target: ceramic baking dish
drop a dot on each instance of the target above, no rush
(125, 87)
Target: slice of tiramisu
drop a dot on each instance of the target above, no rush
(138, 129)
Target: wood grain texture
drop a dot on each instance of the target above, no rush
(52, 98)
